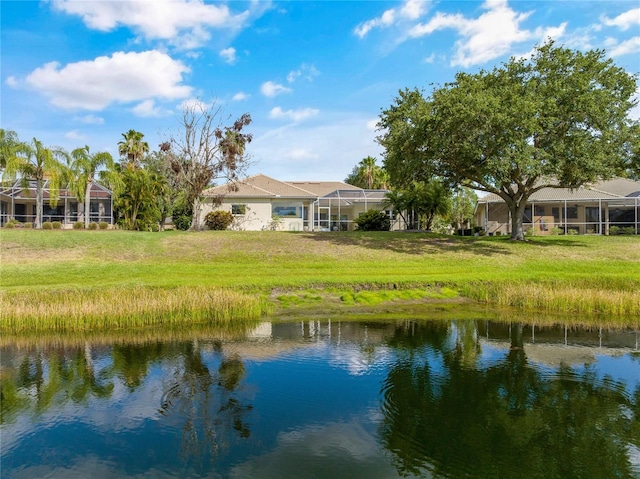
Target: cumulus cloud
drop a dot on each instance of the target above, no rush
(301, 114)
(229, 55)
(632, 45)
(120, 78)
(148, 109)
(241, 96)
(184, 23)
(484, 38)
(12, 82)
(410, 10)
(308, 72)
(272, 89)
(624, 21)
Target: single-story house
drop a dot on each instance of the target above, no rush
(590, 209)
(261, 203)
(19, 202)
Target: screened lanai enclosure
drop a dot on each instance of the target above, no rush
(18, 202)
(337, 211)
(608, 207)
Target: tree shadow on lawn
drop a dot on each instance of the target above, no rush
(420, 243)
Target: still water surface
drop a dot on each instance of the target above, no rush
(326, 399)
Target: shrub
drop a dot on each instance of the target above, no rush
(10, 224)
(78, 225)
(628, 230)
(498, 233)
(47, 225)
(218, 220)
(181, 216)
(27, 225)
(57, 225)
(373, 220)
(556, 231)
(103, 225)
(93, 226)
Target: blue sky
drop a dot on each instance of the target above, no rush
(313, 75)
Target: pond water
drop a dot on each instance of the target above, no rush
(325, 399)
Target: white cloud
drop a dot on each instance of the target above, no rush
(624, 21)
(373, 124)
(90, 119)
(632, 45)
(335, 144)
(308, 72)
(74, 135)
(241, 96)
(410, 10)
(430, 59)
(184, 23)
(298, 154)
(12, 82)
(148, 109)
(229, 55)
(301, 114)
(120, 78)
(272, 89)
(484, 38)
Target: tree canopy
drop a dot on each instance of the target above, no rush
(203, 150)
(557, 119)
(367, 174)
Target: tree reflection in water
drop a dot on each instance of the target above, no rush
(455, 419)
(207, 402)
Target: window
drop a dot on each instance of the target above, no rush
(287, 210)
(238, 209)
(572, 212)
(539, 210)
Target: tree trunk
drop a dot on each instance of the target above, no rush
(516, 208)
(39, 204)
(195, 215)
(87, 204)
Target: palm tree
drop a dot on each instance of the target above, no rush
(8, 146)
(369, 171)
(84, 166)
(35, 162)
(132, 147)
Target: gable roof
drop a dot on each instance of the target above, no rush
(263, 186)
(602, 190)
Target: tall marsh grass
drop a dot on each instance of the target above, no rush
(557, 297)
(95, 309)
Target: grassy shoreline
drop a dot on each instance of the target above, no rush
(103, 279)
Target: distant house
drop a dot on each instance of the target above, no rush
(261, 203)
(592, 209)
(19, 203)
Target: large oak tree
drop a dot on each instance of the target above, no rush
(558, 119)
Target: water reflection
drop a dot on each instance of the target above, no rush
(410, 398)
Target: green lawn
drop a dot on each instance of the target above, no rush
(251, 262)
